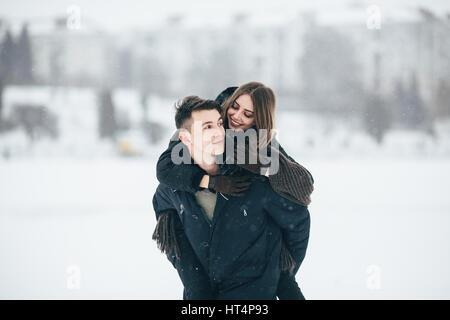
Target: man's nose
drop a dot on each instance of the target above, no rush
(238, 115)
(219, 134)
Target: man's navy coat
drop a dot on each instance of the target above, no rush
(240, 248)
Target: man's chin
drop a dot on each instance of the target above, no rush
(218, 151)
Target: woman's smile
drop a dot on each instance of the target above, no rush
(234, 124)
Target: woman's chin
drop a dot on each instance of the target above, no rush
(234, 128)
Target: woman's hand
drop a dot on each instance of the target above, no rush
(250, 154)
(231, 185)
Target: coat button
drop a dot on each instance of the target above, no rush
(205, 244)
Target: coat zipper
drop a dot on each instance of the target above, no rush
(205, 216)
(223, 196)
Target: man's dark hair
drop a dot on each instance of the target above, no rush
(185, 107)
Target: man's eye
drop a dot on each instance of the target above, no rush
(208, 126)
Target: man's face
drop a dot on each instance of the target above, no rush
(207, 135)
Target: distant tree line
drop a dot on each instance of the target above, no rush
(16, 59)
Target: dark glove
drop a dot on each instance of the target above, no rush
(252, 153)
(232, 185)
(249, 154)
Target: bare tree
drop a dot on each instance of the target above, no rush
(7, 59)
(107, 116)
(442, 99)
(23, 60)
(377, 118)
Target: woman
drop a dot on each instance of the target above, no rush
(252, 105)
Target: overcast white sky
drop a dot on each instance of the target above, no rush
(115, 15)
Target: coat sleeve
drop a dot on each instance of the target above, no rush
(294, 221)
(184, 177)
(162, 200)
(292, 181)
(288, 288)
(192, 274)
(293, 161)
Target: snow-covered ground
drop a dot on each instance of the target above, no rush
(76, 219)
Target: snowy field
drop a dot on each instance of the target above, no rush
(76, 219)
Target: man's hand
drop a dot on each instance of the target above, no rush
(234, 186)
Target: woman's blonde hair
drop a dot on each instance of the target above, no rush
(264, 102)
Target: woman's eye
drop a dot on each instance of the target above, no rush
(234, 107)
(247, 115)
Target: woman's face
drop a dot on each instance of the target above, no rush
(241, 113)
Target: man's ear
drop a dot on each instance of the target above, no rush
(185, 137)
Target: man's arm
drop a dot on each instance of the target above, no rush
(172, 240)
(294, 221)
(288, 288)
(192, 274)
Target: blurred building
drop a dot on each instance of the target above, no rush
(63, 56)
(414, 43)
(177, 58)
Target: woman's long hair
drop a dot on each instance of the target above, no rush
(264, 102)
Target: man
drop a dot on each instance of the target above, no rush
(226, 247)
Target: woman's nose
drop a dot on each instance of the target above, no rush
(238, 115)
